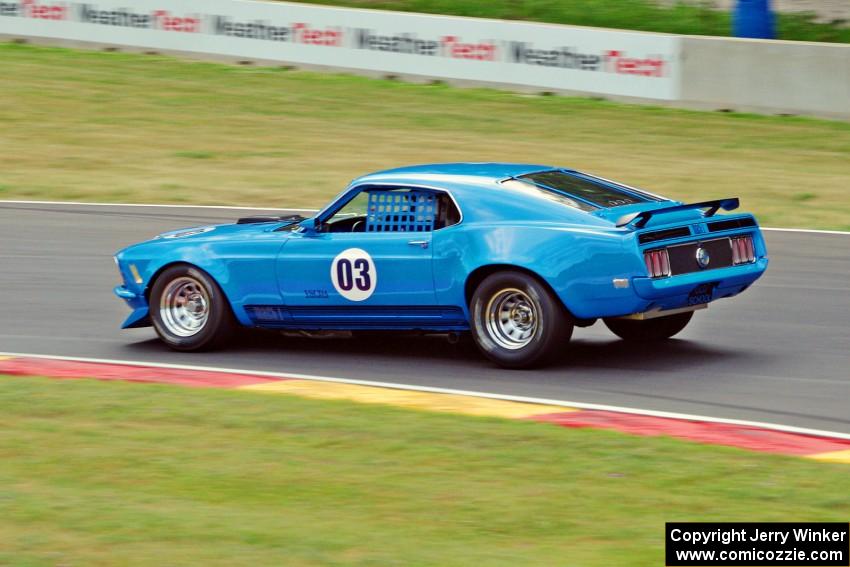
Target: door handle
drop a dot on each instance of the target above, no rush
(420, 243)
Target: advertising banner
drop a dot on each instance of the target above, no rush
(525, 54)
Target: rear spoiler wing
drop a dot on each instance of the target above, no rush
(639, 220)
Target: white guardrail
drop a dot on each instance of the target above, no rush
(643, 67)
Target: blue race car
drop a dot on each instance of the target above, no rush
(517, 255)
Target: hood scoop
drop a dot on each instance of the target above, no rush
(261, 219)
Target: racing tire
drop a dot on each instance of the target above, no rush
(517, 322)
(649, 330)
(189, 311)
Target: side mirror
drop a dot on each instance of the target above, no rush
(310, 227)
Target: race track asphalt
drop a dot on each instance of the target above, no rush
(779, 353)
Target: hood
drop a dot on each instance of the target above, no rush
(241, 226)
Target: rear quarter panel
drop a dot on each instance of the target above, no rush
(577, 262)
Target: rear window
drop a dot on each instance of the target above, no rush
(533, 190)
(596, 193)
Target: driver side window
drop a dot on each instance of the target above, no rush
(394, 210)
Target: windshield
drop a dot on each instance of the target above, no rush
(585, 190)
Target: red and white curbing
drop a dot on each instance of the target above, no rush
(754, 436)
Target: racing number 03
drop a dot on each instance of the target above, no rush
(346, 278)
(354, 275)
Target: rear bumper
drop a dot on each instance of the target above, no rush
(643, 294)
(726, 280)
(140, 317)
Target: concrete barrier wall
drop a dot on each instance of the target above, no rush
(778, 77)
(695, 72)
(524, 54)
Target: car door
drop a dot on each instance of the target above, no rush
(368, 264)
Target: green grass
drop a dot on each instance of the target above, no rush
(695, 18)
(82, 125)
(125, 474)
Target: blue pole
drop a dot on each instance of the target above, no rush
(754, 18)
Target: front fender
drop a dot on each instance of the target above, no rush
(243, 268)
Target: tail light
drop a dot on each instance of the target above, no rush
(743, 251)
(657, 263)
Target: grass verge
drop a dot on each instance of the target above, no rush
(82, 125)
(126, 474)
(693, 18)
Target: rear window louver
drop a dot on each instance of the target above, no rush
(731, 224)
(656, 235)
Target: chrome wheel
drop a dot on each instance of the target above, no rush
(511, 319)
(184, 306)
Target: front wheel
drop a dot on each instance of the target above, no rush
(517, 322)
(649, 330)
(189, 311)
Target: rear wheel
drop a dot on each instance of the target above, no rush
(517, 322)
(649, 330)
(189, 311)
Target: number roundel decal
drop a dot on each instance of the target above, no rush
(353, 274)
